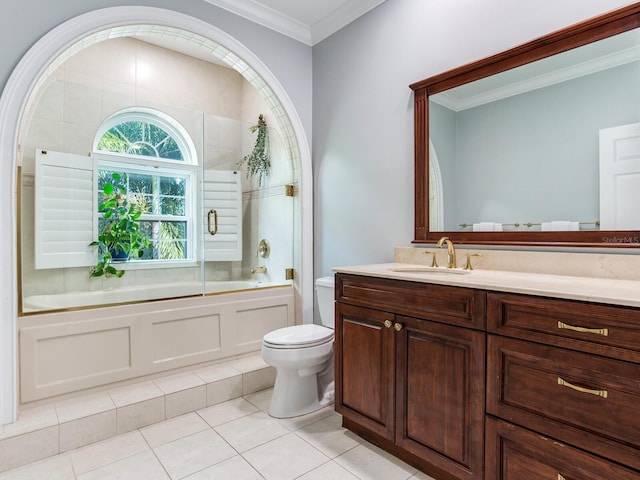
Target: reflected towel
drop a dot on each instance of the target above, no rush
(487, 227)
(559, 226)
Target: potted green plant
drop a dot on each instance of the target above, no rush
(119, 235)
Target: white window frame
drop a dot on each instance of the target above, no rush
(148, 166)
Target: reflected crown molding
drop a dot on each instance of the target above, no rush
(459, 101)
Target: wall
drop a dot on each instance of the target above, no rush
(363, 108)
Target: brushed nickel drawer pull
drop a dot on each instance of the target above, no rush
(599, 393)
(388, 323)
(597, 331)
(397, 327)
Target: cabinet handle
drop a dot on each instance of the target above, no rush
(561, 477)
(597, 331)
(599, 393)
(388, 323)
(397, 327)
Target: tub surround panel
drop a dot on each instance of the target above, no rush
(123, 342)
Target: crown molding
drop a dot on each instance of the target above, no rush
(340, 18)
(540, 81)
(267, 17)
(308, 34)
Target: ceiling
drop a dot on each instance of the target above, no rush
(308, 21)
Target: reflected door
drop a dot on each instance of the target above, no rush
(620, 177)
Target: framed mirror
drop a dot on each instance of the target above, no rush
(538, 145)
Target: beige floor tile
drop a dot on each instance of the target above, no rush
(250, 431)
(285, 458)
(30, 420)
(191, 454)
(107, 451)
(296, 423)
(132, 394)
(248, 364)
(185, 401)
(136, 467)
(215, 373)
(329, 471)
(369, 462)
(257, 380)
(28, 447)
(261, 399)
(87, 430)
(173, 429)
(84, 407)
(227, 411)
(236, 468)
(55, 468)
(177, 383)
(138, 415)
(223, 390)
(328, 436)
(421, 476)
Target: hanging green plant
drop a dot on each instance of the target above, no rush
(258, 161)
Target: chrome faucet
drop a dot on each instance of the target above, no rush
(451, 251)
(260, 269)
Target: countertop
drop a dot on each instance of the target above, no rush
(589, 289)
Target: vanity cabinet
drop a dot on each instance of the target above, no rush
(563, 389)
(410, 369)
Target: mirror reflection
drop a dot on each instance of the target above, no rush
(549, 146)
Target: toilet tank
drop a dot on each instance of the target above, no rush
(325, 288)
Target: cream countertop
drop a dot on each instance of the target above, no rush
(589, 289)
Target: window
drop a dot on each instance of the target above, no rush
(157, 160)
(152, 155)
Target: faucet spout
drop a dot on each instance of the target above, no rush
(451, 251)
(260, 269)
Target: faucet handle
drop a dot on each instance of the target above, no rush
(434, 263)
(467, 265)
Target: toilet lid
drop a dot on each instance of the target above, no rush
(306, 335)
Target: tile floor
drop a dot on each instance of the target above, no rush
(236, 440)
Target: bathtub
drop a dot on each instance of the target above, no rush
(136, 293)
(67, 346)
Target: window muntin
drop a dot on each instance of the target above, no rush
(156, 157)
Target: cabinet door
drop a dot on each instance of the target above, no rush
(364, 368)
(514, 453)
(440, 395)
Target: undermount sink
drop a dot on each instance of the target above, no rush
(425, 269)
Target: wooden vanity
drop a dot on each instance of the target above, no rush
(471, 383)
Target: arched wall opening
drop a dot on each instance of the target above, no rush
(44, 57)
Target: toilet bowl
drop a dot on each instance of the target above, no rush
(303, 358)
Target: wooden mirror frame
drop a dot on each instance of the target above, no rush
(597, 28)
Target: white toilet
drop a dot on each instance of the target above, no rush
(303, 358)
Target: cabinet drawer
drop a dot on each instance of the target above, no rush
(594, 328)
(452, 305)
(513, 453)
(564, 394)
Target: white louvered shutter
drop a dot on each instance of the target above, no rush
(65, 210)
(222, 190)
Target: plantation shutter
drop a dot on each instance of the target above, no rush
(64, 210)
(222, 190)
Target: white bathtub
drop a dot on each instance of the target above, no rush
(66, 349)
(136, 293)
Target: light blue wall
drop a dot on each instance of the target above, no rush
(363, 108)
(532, 157)
(22, 23)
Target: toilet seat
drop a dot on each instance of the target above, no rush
(298, 336)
